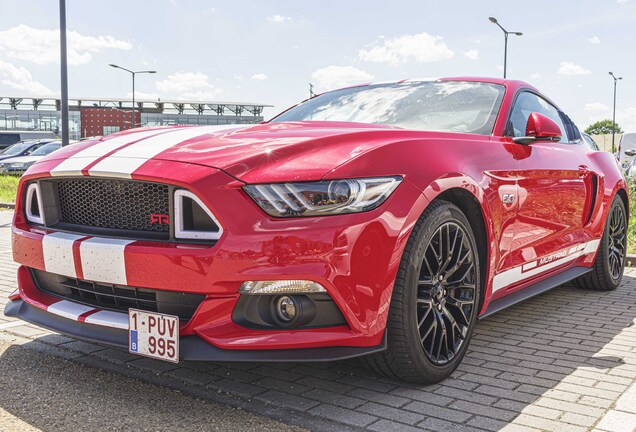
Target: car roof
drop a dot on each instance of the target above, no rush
(489, 80)
(37, 141)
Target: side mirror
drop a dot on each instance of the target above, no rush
(540, 128)
(630, 153)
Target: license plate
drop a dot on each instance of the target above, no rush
(153, 335)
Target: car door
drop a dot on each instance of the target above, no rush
(555, 193)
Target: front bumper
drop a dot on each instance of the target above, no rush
(190, 347)
(355, 257)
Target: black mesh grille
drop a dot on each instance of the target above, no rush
(114, 204)
(118, 297)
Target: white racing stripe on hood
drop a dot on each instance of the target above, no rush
(80, 160)
(127, 160)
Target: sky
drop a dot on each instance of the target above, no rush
(269, 51)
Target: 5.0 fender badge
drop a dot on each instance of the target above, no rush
(508, 198)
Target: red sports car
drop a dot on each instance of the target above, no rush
(380, 220)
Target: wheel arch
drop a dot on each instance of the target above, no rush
(472, 209)
(621, 192)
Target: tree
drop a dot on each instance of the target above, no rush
(602, 127)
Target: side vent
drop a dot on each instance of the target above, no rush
(33, 204)
(193, 220)
(593, 194)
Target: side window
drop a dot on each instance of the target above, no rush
(572, 130)
(591, 142)
(528, 103)
(34, 148)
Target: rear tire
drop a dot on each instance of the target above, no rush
(435, 299)
(607, 273)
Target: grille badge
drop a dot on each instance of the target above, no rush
(156, 218)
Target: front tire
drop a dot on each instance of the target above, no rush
(607, 273)
(435, 299)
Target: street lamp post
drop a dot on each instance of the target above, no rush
(506, 33)
(63, 75)
(133, 73)
(614, 110)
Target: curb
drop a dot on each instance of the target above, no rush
(5, 206)
(630, 260)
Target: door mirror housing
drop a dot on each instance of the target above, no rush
(540, 128)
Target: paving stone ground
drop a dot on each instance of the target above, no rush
(562, 361)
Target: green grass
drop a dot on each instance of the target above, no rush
(631, 230)
(8, 188)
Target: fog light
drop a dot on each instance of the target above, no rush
(286, 309)
(281, 287)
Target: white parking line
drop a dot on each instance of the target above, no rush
(11, 324)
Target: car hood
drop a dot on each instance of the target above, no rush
(286, 151)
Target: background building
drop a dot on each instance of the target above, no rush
(101, 116)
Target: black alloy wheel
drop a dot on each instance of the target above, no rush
(607, 272)
(435, 299)
(617, 242)
(446, 293)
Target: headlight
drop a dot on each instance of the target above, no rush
(323, 197)
(20, 165)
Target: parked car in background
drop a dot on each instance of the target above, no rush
(8, 138)
(361, 222)
(626, 150)
(23, 148)
(18, 165)
(589, 141)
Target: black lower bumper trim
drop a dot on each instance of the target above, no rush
(191, 347)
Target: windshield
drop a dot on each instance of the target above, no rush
(46, 149)
(16, 149)
(448, 106)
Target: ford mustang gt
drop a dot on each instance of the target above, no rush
(381, 221)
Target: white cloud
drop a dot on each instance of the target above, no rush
(596, 107)
(188, 85)
(332, 77)
(626, 118)
(594, 40)
(421, 47)
(259, 77)
(535, 76)
(279, 19)
(42, 46)
(471, 54)
(20, 80)
(569, 68)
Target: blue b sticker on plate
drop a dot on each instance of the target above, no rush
(134, 347)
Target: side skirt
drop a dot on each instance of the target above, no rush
(536, 289)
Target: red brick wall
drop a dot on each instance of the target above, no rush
(93, 120)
